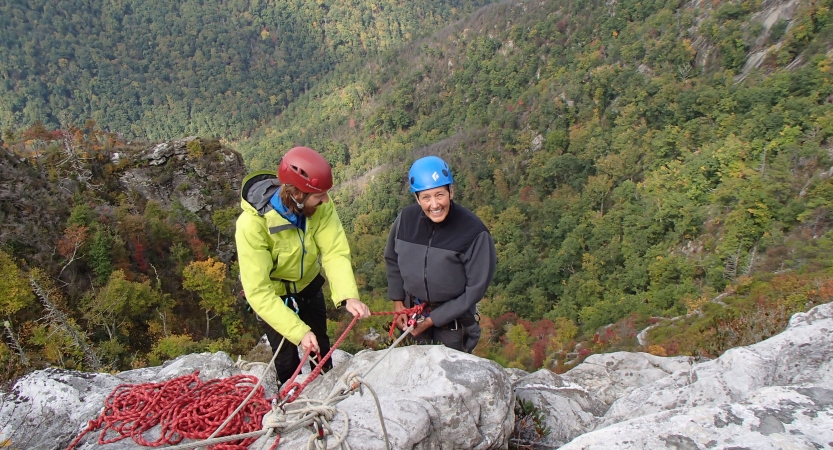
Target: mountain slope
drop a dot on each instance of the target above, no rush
(160, 70)
(629, 157)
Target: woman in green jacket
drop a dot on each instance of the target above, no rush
(288, 230)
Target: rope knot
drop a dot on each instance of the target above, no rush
(274, 420)
(352, 382)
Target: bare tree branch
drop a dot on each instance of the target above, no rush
(15, 343)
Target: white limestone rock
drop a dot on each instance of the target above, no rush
(610, 376)
(571, 409)
(431, 397)
(777, 393)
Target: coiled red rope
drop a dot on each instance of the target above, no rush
(184, 407)
(188, 408)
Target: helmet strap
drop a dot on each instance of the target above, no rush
(291, 196)
(300, 204)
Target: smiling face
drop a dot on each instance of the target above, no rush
(436, 202)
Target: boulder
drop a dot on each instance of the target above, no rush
(775, 394)
(430, 397)
(572, 410)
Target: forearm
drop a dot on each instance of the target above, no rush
(271, 309)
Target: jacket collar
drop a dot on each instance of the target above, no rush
(295, 219)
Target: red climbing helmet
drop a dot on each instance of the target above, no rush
(306, 169)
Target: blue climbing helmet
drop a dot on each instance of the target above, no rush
(428, 173)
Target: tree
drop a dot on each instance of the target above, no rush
(67, 333)
(208, 279)
(70, 244)
(15, 292)
(99, 255)
(120, 304)
(224, 221)
(518, 349)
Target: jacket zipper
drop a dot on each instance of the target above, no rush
(303, 253)
(425, 266)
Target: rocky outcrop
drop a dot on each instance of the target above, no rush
(25, 195)
(189, 171)
(771, 395)
(430, 397)
(35, 198)
(775, 394)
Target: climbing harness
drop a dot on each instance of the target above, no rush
(184, 407)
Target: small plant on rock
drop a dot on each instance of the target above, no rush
(530, 426)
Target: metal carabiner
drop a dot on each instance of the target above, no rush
(294, 303)
(415, 319)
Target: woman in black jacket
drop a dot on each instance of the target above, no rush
(441, 254)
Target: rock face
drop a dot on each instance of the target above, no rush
(430, 396)
(775, 394)
(772, 395)
(571, 409)
(24, 194)
(201, 175)
(188, 171)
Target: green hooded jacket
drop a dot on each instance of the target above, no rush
(270, 250)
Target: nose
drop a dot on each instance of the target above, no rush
(325, 198)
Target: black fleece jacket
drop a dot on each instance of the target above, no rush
(451, 262)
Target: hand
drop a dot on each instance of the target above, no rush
(357, 308)
(422, 326)
(309, 341)
(401, 319)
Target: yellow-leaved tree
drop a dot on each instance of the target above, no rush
(15, 292)
(208, 280)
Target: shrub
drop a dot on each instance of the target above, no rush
(171, 347)
(530, 426)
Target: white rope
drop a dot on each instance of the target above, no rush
(219, 440)
(378, 411)
(387, 351)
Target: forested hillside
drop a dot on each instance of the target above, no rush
(160, 70)
(116, 254)
(634, 160)
(643, 165)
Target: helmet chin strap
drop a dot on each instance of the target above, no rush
(300, 204)
(303, 200)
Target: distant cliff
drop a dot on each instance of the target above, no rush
(98, 230)
(36, 188)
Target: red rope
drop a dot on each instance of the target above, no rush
(188, 408)
(185, 407)
(408, 312)
(299, 387)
